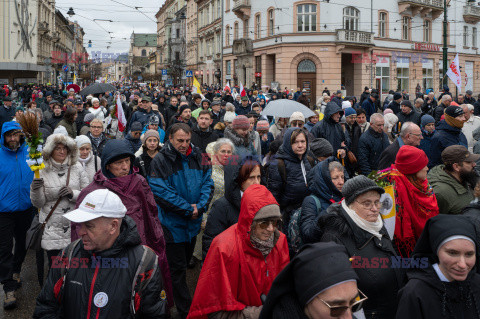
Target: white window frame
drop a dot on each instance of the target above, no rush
(474, 37)
(406, 28)
(307, 17)
(351, 18)
(427, 24)
(382, 24)
(465, 36)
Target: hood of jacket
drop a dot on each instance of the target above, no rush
(285, 151)
(331, 109)
(55, 139)
(10, 126)
(114, 149)
(127, 238)
(320, 181)
(443, 126)
(254, 198)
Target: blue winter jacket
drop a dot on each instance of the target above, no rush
(15, 175)
(369, 108)
(426, 143)
(320, 185)
(160, 132)
(370, 146)
(177, 181)
(444, 136)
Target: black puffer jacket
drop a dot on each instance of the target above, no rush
(370, 146)
(225, 211)
(330, 130)
(84, 285)
(170, 112)
(413, 116)
(381, 285)
(289, 194)
(202, 138)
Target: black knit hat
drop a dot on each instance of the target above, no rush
(407, 103)
(321, 147)
(183, 108)
(357, 186)
(397, 96)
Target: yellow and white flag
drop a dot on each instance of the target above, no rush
(196, 86)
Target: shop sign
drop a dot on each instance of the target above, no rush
(258, 74)
(427, 47)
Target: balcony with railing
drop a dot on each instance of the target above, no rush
(360, 38)
(423, 7)
(471, 13)
(242, 8)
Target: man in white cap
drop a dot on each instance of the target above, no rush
(107, 272)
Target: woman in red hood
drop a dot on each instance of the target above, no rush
(242, 261)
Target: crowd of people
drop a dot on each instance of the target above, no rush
(282, 214)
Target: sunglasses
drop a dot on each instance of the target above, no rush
(338, 311)
(265, 223)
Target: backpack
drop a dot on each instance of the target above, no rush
(294, 237)
(140, 280)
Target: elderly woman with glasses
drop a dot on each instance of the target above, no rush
(242, 261)
(356, 223)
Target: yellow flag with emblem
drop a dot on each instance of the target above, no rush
(388, 210)
(196, 86)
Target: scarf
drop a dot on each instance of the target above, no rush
(60, 168)
(84, 161)
(265, 246)
(414, 206)
(453, 121)
(370, 227)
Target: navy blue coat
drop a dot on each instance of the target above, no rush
(370, 146)
(369, 108)
(444, 136)
(426, 142)
(295, 189)
(330, 130)
(6, 114)
(320, 184)
(337, 101)
(177, 181)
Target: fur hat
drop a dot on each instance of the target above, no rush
(55, 139)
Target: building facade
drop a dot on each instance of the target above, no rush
(311, 44)
(141, 46)
(46, 28)
(63, 47)
(209, 41)
(19, 42)
(191, 38)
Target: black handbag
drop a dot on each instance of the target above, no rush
(35, 232)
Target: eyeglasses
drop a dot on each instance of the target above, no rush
(265, 223)
(417, 135)
(338, 311)
(369, 204)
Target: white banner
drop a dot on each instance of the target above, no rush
(453, 73)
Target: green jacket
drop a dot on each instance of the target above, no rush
(452, 196)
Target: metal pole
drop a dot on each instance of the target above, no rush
(445, 48)
(371, 52)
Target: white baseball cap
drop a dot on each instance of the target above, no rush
(99, 203)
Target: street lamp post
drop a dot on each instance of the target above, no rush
(71, 13)
(445, 48)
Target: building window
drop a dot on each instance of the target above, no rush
(474, 37)
(235, 31)
(227, 5)
(350, 18)
(465, 36)
(427, 72)
(406, 28)
(307, 17)
(403, 67)
(245, 28)
(383, 74)
(382, 24)
(219, 9)
(144, 52)
(200, 49)
(306, 66)
(229, 67)
(257, 26)
(271, 22)
(227, 35)
(427, 28)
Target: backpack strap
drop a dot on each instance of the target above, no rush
(317, 202)
(146, 269)
(311, 160)
(60, 284)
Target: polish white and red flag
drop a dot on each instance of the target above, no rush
(122, 121)
(227, 87)
(453, 73)
(242, 90)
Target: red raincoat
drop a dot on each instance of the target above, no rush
(235, 274)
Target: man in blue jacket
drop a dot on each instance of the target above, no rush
(369, 105)
(16, 210)
(183, 188)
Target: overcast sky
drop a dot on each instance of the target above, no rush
(126, 20)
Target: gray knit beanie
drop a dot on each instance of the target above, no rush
(321, 147)
(357, 186)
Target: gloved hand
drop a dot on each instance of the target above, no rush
(65, 191)
(37, 183)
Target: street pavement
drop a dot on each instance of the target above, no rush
(30, 289)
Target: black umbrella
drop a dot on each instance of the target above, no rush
(97, 88)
